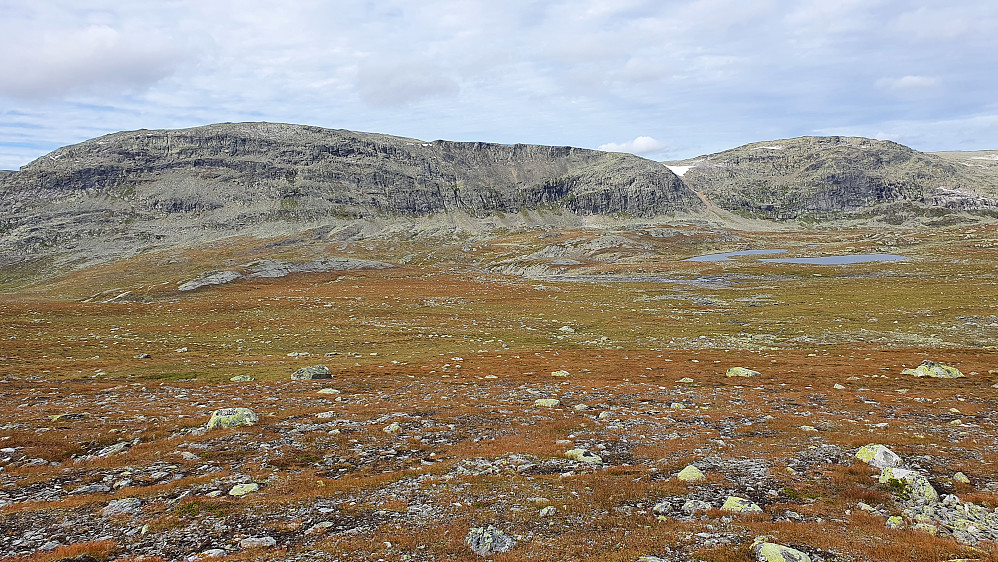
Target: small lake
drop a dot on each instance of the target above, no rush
(839, 260)
(728, 255)
(819, 260)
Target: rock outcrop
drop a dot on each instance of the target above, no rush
(834, 176)
(150, 187)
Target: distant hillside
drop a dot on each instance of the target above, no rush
(225, 179)
(833, 176)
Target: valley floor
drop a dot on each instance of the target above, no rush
(440, 415)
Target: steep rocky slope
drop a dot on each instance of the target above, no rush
(831, 176)
(148, 187)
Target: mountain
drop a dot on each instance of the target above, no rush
(156, 187)
(822, 177)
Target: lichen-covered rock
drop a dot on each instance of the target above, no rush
(909, 484)
(547, 402)
(741, 372)
(240, 490)
(961, 478)
(241, 378)
(934, 370)
(736, 504)
(311, 373)
(766, 551)
(393, 427)
(690, 474)
(584, 455)
(894, 522)
(561, 373)
(484, 541)
(232, 417)
(878, 456)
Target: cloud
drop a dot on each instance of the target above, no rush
(908, 83)
(399, 83)
(640, 145)
(705, 74)
(86, 59)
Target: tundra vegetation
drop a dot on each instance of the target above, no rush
(244, 342)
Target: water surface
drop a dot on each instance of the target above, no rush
(839, 260)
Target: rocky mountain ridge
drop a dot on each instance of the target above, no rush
(131, 192)
(157, 187)
(826, 177)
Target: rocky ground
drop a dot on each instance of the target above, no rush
(401, 465)
(470, 415)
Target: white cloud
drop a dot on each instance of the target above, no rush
(85, 59)
(705, 74)
(399, 83)
(640, 145)
(908, 83)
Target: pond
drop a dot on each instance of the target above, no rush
(819, 260)
(839, 260)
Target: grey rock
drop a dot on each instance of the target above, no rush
(258, 542)
(130, 191)
(124, 506)
(232, 417)
(209, 278)
(92, 489)
(484, 541)
(311, 373)
(829, 176)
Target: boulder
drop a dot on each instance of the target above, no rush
(878, 456)
(934, 370)
(311, 373)
(240, 490)
(547, 402)
(690, 474)
(232, 417)
(484, 541)
(124, 506)
(909, 484)
(766, 551)
(741, 372)
(736, 504)
(583, 455)
(258, 542)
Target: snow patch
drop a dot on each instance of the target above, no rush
(678, 170)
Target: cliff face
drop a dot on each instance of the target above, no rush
(827, 176)
(231, 177)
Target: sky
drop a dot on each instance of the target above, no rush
(661, 79)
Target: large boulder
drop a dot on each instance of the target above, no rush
(736, 504)
(934, 370)
(909, 484)
(313, 372)
(232, 417)
(484, 541)
(741, 372)
(766, 551)
(690, 474)
(584, 455)
(878, 456)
